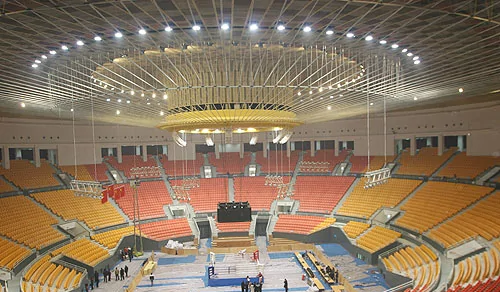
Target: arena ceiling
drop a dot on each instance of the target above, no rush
(456, 42)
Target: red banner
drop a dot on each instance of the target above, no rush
(111, 191)
(104, 197)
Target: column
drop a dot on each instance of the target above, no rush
(242, 150)
(429, 142)
(413, 145)
(264, 148)
(288, 149)
(460, 143)
(313, 148)
(440, 145)
(217, 150)
(52, 156)
(110, 151)
(137, 150)
(318, 145)
(144, 152)
(36, 155)
(336, 148)
(399, 146)
(5, 157)
(119, 155)
(164, 149)
(292, 146)
(19, 154)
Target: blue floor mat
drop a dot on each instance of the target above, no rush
(177, 260)
(281, 255)
(333, 249)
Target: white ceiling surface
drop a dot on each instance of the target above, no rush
(457, 43)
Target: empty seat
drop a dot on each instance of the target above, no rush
(230, 162)
(353, 228)
(377, 238)
(152, 196)
(26, 175)
(301, 224)
(320, 194)
(425, 162)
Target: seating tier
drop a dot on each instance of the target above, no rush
(5, 187)
(320, 194)
(230, 162)
(167, 229)
(83, 250)
(211, 192)
(464, 166)
(233, 226)
(98, 171)
(178, 168)
(359, 164)
(11, 254)
(377, 238)
(277, 161)
(24, 174)
(354, 228)
(326, 155)
(111, 238)
(254, 190)
(131, 161)
(152, 196)
(80, 172)
(302, 224)
(425, 162)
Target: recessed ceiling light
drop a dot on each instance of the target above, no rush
(44, 57)
(404, 50)
(328, 107)
(23, 104)
(460, 90)
(349, 35)
(38, 61)
(307, 28)
(369, 38)
(34, 65)
(371, 103)
(254, 26)
(281, 27)
(72, 110)
(416, 62)
(415, 98)
(161, 113)
(168, 28)
(165, 96)
(142, 31)
(128, 101)
(320, 98)
(119, 100)
(395, 46)
(320, 89)
(341, 95)
(310, 92)
(132, 92)
(148, 103)
(301, 100)
(329, 32)
(142, 94)
(118, 35)
(196, 27)
(153, 95)
(64, 48)
(52, 52)
(338, 85)
(409, 54)
(330, 87)
(117, 112)
(97, 38)
(224, 26)
(383, 42)
(79, 43)
(299, 93)
(331, 96)
(122, 91)
(415, 58)
(108, 99)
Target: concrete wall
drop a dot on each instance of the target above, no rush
(481, 124)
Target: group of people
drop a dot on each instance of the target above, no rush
(126, 253)
(332, 273)
(247, 284)
(120, 275)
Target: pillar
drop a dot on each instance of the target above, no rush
(137, 150)
(242, 150)
(440, 145)
(460, 143)
(429, 142)
(119, 155)
(164, 149)
(336, 148)
(5, 157)
(318, 145)
(36, 155)
(144, 152)
(413, 145)
(292, 146)
(288, 150)
(313, 148)
(217, 150)
(264, 149)
(110, 151)
(344, 145)
(19, 154)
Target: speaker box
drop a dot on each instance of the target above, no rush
(234, 212)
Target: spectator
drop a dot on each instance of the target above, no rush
(152, 278)
(105, 274)
(285, 285)
(126, 271)
(122, 274)
(96, 277)
(117, 274)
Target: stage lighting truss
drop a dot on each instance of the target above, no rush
(273, 180)
(145, 171)
(90, 189)
(312, 166)
(283, 191)
(377, 177)
(191, 182)
(181, 193)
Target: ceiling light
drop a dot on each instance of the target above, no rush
(415, 58)
(148, 103)
(64, 48)
(118, 35)
(72, 110)
(331, 96)
(168, 28)
(80, 43)
(165, 96)
(161, 113)
(415, 98)
(153, 95)
(330, 87)
(383, 42)
(299, 93)
(320, 89)
(307, 28)
(119, 100)
(460, 90)
(395, 46)
(117, 112)
(341, 95)
(409, 54)
(23, 104)
(52, 52)
(132, 92)
(310, 92)
(404, 50)
(349, 35)
(196, 27)
(254, 139)
(338, 85)
(301, 100)
(416, 62)
(128, 101)
(329, 107)
(281, 27)
(44, 57)
(329, 32)
(38, 61)
(224, 26)
(108, 99)
(34, 65)
(142, 94)
(369, 38)
(142, 31)
(371, 103)
(209, 141)
(97, 38)
(254, 26)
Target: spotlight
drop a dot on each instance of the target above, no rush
(122, 91)
(34, 65)
(52, 52)
(404, 51)
(128, 101)
(161, 113)
(415, 58)
(224, 26)
(38, 61)
(330, 87)
(369, 38)
(108, 99)
(299, 93)
(79, 43)
(142, 31)
(44, 57)
(209, 141)
(153, 95)
(286, 137)
(460, 90)
(119, 100)
(310, 92)
(415, 98)
(178, 140)
(329, 108)
(278, 137)
(331, 96)
(254, 26)
(165, 96)
(168, 28)
(142, 94)
(64, 48)
(117, 112)
(254, 139)
(23, 104)
(72, 110)
(281, 27)
(307, 29)
(132, 92)
(383, 42)
(320, 89)
(97, 38)
(196, 27)
(416, 62)
(329, 32)
(395, 46)
(349, 35)
(118, 35)
(371, 103)
(409, 54)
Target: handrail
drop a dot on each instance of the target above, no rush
(401, 286)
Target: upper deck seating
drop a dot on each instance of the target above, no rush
(152, 196)
(359, 164)
(230, 162)
(211, 192)
(326, 155)
(464, 166)
(178, 168)
(277, 161)
(320, 194)
(425, 162)
(80, 173)
(254, 190)
(26, 175)
(301, 224)
(131, 161)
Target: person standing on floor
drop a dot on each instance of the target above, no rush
(130, 255)
(242, 286)
(285, 285)
(109, 274)
(122, 274)
(126, 271)
(117, 274)
(152, 278)
(96, 277)
(105, 274)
